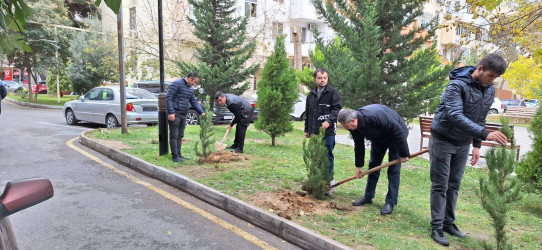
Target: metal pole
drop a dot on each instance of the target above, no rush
(162, 116)
(121, 72)
(57, 72)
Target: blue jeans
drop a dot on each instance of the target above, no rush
(330, 144)
(394, 172)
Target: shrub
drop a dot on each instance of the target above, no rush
(317, 165)
(529, 169)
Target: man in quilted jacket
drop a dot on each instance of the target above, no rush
(460, 119)
(180, 97)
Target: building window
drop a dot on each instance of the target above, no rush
(280, 1)
(250, 8)
(303, 35)
(133, 25)
(462, 30)
(278, 29)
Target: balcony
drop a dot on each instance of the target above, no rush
(303, 11)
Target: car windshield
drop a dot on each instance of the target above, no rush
(139, 94)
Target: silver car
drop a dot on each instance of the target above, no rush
(101, 105)
(12, 86)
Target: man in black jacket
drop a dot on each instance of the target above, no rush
(321, 109)
(460, 119)
(3, 94)
(242, 110)
(387, 131)
(180, 97)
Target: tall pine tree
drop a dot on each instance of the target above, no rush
(225, 50)
(385, 61)
(277, 93)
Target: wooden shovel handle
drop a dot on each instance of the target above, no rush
(380, 167)
(224, 138)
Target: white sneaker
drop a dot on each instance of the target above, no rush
(330, 191)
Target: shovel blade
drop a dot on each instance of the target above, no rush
(220, 146)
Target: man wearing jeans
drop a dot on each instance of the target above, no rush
(322, 106)
(387, 131)
(460, 119)
(180, 96)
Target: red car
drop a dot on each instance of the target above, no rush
(42, 87)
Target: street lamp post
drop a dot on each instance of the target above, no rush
(162, 116)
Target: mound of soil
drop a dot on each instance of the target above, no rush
(288, 204)
(223, 157)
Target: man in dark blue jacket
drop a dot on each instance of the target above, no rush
(321, 109)
(387, 131)
(3, 94)
(242, 110)
(460, 119)
(180, 96)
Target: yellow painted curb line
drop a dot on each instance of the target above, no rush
(247, 236)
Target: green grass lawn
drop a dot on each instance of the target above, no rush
(270, 169)
(46, 99)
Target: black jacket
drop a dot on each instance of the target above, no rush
(380, 125)
(461, 113)
(3, 93)
(324, 109)
(240, 107)
(179, 97)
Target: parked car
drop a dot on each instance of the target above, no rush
(512, 103)
(531, 103)
(12, 86)
(16, 196)
(152, 86)
(496, 108)
(41, 86)
(101, 105)
(298, 112)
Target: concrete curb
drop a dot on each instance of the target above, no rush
(33, 105)
(283, 228)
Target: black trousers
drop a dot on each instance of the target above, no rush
(394, 172)
(240, 133)
(176, 134)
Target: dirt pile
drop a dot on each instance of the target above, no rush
(223, 157)
(288, 204)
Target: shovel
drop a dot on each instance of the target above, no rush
(379, 167)
(220, 145)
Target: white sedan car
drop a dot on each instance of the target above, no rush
(497, 107)
(102, 105)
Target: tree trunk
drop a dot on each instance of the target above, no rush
(29, 72)
(272, 141)
(37, 88)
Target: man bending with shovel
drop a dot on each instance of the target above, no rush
(242, 110)
(387, 131)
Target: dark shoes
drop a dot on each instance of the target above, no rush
(232, 147)
(238, 150)
(438, 236)
(180, 159)
(453, 230)
(386, 209)
(362, 201)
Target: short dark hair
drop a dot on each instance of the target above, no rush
(218, 94)
(494, 62)
(192, 75)
(319, 70)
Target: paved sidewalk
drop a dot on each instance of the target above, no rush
(521, 134)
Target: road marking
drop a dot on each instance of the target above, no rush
(64, 126)
(247, 236)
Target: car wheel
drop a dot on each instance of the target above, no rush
(492, 112)
(111, 121)
(70, 117)
(192, 117)
(43, 92)
(302, 117)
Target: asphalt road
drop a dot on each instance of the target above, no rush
(99, 204)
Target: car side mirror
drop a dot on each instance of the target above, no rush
(81, 98)
(22, 194)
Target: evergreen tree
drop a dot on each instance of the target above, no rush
(376, 59)
(225, 49)
(499, 190)
(317, 165)
(277, 93)
(530, 168)
(205, 135)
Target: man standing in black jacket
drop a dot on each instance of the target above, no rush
(180, 96)
(321, 109)
(387, 131)
(460, 119)
(242, 110)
